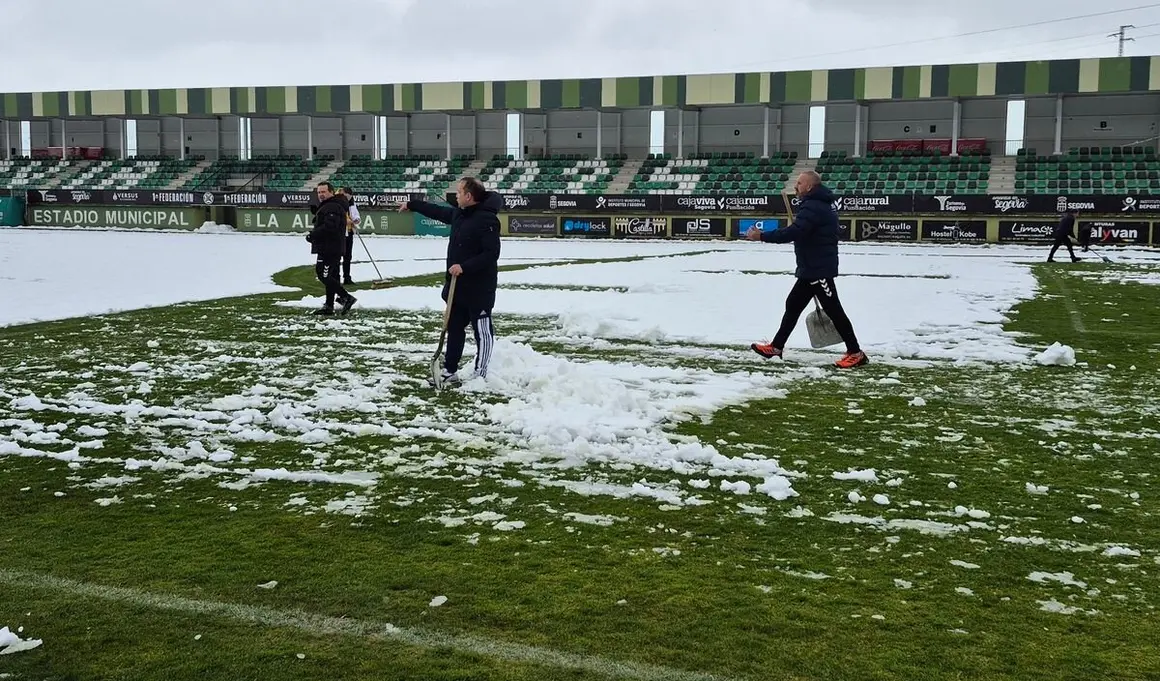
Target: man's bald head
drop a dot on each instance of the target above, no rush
(807, 181)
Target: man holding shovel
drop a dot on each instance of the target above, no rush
(473, 265)
(814, 233)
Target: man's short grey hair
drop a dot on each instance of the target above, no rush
(812, 176)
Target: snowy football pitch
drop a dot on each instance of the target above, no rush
(200, 480)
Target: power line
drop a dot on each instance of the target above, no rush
(967, 34)
(1029, 48)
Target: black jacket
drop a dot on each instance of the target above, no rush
(328, 238)
(473, 245)
(814, 233)
(1065, 226)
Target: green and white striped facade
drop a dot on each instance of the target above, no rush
(1111, 75)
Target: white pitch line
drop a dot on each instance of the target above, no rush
(325, 625)
(1070, 306)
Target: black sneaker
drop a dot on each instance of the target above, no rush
(448, 380)
(324, 312)
(348, 303)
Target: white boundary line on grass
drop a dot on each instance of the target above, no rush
(326, 625)
(1069, 305)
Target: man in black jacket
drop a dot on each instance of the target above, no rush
(1062, 236)
(327, 239)
(473, 257)
(814, 233)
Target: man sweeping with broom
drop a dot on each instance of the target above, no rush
(814, 233)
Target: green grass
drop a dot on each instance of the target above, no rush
(744, 587)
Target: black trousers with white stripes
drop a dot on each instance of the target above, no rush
(481, 325)
(827, 294)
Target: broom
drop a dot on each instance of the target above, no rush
(380, 282)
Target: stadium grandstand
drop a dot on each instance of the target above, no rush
(1082, 126)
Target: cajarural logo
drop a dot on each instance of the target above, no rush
(863, 203)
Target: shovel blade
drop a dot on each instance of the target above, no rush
(821, 330)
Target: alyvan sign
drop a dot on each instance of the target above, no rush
(1117, 232)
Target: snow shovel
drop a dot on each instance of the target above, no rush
(436, 370)
(821, 328)
(380, 282)
(1100, 255)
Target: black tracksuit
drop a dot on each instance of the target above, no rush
(1062, 236)
(327, 240)
(814, 233)
(474, 246)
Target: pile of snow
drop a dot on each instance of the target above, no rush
(11, 643)
(210, 227)
(565, 414)
(955, 307)
(1057, 354)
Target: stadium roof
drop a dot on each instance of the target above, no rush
(1109, 75)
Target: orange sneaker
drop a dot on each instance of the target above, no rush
(851, 360)
(765, 350)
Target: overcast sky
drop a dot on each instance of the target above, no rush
(204, 43)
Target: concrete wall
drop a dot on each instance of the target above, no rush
(910, 120)
(986, 118)
(721, 129)
(1039, 124)
(491, 134)
(840, 126)
(795, 129)
(1111, 121)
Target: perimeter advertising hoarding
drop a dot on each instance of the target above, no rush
(954, 231)
(117, 216)
(585, 227)
(1026, 231)
(887, 230)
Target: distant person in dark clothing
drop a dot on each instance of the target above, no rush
(1085, 236)
(352, 222)
(1062, 236)
(814, 233)
(326, 239)
(472, 256)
